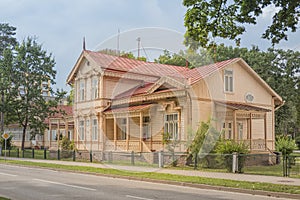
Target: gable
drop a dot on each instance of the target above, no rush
(246, 81)
(166, 83)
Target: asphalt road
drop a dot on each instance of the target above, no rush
(22, 183)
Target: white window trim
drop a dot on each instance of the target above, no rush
(81, 90)
(94, 130)
(175, 135)
(95, 90)
(230, 89)
(81, 130)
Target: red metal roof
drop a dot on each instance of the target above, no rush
(204, 71)
(156, 69)
(239, 106)
(137, 66)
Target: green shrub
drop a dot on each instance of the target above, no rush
(285, 145)
(227, 148)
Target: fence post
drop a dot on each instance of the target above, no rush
(23, 153)
(235, 162)
(132, 157)
(45, 153)
(110, 159)
(18, 153)
(91, 156)
(74, 155)
(160, 159)
(32, 153)
(58, 154)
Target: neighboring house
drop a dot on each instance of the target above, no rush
(60, 125)
(123, 104)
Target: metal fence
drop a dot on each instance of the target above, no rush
(265, 164)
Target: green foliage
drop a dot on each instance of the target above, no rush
(66, 144)
(285, 145)
(204, 140)
(205, 20)
(230, 146)
(122, 54)
(28, 66)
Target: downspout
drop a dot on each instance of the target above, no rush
(190, 108)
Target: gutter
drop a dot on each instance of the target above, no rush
(283, 102)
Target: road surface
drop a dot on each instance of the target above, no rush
(22, 183)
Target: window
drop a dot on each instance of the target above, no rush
(171, 126)
(53, 135)
(70, 135)
(146, 127)
(95, 129)
(123, 129)
(94, 88)
(227, 128)
(81, 130)
(81, 90)
(228, 80)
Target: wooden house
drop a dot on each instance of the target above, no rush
(123, 104)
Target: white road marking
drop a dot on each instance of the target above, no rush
(5, 174)
(135, 197)
(67, 185)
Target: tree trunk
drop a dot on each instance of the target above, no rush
(23, 137)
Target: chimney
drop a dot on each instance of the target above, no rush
(186, 63)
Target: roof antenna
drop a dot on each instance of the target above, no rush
(139, 44)
(83, 44)
(118, 43)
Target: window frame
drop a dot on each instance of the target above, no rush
(81, 90)
(95, 86)
(81, 127)
(94, 129)
(171, 126)
(228, 80)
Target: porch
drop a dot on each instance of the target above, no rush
(247, 123)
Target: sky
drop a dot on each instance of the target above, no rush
(60, 26)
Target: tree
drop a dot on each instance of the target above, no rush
(31, 68)
(285, 145)
(206, 19)
(7, 41)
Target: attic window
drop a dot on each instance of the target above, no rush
(228, 80)
(88, 63)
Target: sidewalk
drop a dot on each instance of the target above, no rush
(230, 176)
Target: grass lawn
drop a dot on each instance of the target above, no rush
(169, 177)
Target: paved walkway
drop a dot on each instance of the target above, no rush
(231, 176)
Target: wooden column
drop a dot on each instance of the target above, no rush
(50, 132)
(127, 133)
(58, 133)
(234, 126)
(67, 128)
(250, 131)
(115, 133)
(100, 131)
(141, 132)
(103, 133)
(265, 130)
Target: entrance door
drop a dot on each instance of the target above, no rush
(240, 130)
